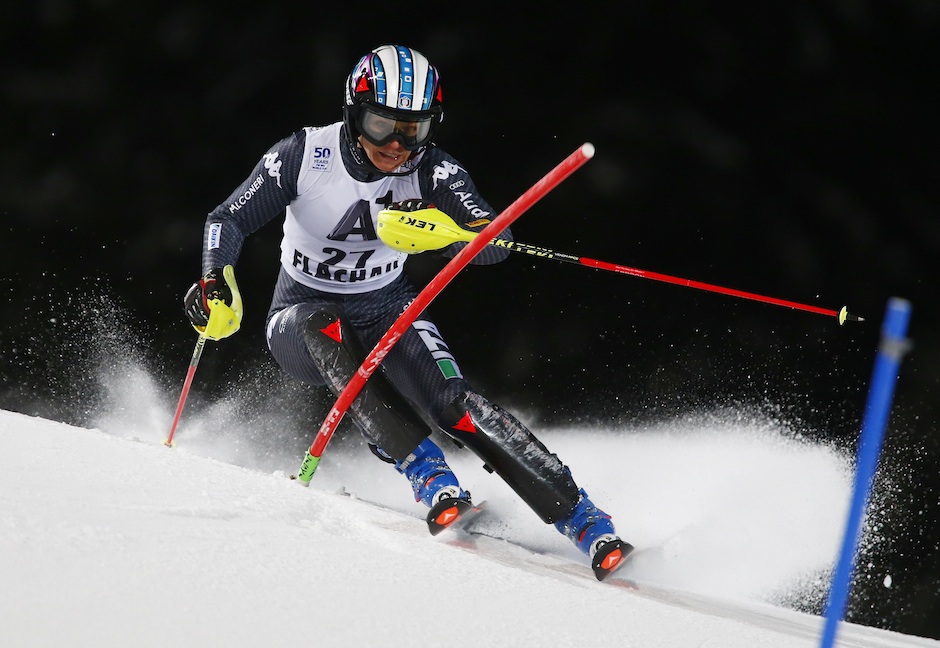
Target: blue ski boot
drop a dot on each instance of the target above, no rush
(435, 484)
(592, 531)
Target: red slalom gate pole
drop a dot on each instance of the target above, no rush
(551, 180)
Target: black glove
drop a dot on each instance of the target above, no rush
(216, 292)
(411, 205)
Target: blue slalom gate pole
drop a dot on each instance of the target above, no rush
(891, 349)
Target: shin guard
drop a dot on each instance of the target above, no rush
(385, 417)
(510, 450)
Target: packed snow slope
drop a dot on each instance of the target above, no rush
(112, 539)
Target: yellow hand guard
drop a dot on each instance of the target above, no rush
(224, 319)
(415, 226)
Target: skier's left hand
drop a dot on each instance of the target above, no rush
(411, 205)
(415, 225)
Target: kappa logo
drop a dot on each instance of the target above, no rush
(444, 170)
(273, 165)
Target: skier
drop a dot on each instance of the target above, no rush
(340, 288)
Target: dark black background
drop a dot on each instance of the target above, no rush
(787, 149)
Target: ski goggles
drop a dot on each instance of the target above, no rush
(381, 127)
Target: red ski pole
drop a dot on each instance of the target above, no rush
(197, 353)
(433, 230)
(224, 320)
(551, 180)
(842, 315)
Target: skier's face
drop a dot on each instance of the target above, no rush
(386, 158)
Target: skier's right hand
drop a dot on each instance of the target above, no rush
(213, 304)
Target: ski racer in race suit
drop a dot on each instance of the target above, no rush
(336, 272)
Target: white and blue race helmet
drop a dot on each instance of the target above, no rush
(394, 93)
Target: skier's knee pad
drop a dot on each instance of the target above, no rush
(383, 415)
(285, 334)
(509, 449)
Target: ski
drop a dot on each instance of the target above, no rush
(609, 558)
(460, 516)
